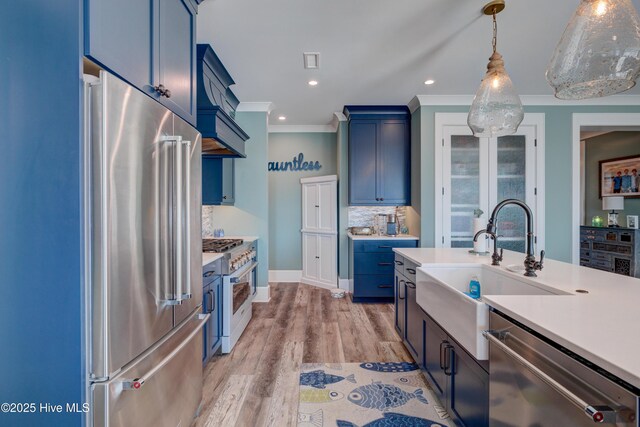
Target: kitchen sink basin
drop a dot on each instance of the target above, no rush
(441, 293)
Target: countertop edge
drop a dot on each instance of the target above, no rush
(376, 237)
(209, 257)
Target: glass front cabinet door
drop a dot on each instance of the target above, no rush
(478, 173)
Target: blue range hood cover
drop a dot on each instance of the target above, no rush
(221, 135)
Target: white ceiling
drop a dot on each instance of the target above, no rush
(375, 51)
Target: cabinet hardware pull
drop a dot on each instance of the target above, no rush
(448, 358)
(212, 299)
(224, 197)
(399, 263)
(384, 263)
(411, 283)
(411, 270)
(441, 355)
(385, 286)
(167, 93)
(384, 247)
(317, 206)
(208, 273)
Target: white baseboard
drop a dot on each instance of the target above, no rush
(285, 276)
(343, 284)
(317, 284)
(262, 294)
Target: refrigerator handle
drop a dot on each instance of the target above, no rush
(175, 162)
(186, 235)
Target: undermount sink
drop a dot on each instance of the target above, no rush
(440, 293)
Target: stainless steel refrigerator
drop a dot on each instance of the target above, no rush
(143, 193)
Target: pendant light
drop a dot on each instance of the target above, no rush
(599, 52)
(496, 109)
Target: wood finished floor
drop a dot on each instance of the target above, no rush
(257, 383)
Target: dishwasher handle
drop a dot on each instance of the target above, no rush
(598, 413)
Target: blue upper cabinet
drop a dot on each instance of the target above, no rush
(379, 155)
(218, 183)
(153, 47)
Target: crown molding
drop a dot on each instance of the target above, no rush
(527, 100)
(255, 107)
(414, 104)
(302, 129)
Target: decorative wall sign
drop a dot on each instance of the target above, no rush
(297, 164)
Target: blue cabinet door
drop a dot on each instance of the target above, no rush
(379, 156)
(363, 136)
(218, 183)
(205, 329)
(414, 326)
(469, 392)
(435, 345)
(215, 322)
(147, 43)
(176, 56)
(118, 37)
(394, 162)
(400, 303)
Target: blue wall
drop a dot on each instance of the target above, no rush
(41, 336)
(558, 140)
(285, 192)
(250, 214)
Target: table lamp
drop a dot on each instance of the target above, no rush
(612, 203)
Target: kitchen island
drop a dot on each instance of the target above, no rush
(600, 325)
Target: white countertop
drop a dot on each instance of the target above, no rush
(602, 326)
(209, 257)
(383, 237)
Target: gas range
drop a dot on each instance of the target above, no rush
(236, 253)
(220, 245)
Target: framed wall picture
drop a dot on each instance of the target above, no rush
(620, 177)
(632, 221)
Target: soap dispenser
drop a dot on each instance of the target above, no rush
(474, 288)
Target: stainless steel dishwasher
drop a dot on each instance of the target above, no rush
(536, 384)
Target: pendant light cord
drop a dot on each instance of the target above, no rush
(494, 41)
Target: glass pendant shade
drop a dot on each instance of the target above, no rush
(496, 109)
(599, 52)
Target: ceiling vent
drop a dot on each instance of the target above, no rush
(311, 60)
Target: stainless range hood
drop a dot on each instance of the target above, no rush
(221, 135)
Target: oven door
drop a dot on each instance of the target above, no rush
(237, 296)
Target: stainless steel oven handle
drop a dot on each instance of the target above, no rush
(235, 277)
(597, 413)
(137, 383)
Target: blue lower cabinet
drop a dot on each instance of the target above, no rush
(372, 268)
(468, 399)
(457, 378)
(205, 328)
(400, 304)
(212, 331)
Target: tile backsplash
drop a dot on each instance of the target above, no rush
(207, 221)
(365, 216)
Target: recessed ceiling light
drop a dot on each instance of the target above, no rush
(282, 118)
(313, 83)
(429, 82)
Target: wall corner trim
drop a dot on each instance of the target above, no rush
(263, 294)
(285, 276)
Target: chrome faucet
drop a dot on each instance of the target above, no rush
(530, 263)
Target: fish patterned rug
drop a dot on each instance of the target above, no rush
(367, 395)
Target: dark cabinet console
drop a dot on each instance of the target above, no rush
(610, 249)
